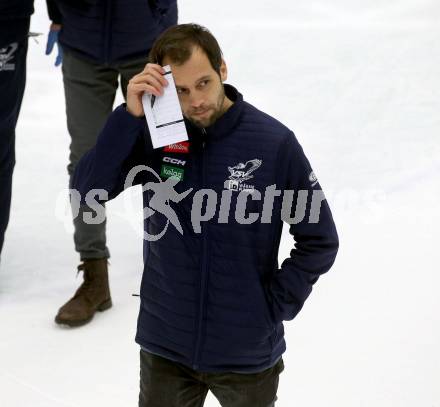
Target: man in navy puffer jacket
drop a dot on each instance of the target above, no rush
(213, 297)
(101, 43)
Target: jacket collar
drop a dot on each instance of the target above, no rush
(224, 125)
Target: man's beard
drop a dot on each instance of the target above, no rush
(218, 111)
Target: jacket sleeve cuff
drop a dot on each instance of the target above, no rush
(54, 12)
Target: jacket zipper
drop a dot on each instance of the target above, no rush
(204, 266)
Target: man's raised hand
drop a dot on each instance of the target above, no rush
(150, 80)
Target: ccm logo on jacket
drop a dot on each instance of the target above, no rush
(174, 161)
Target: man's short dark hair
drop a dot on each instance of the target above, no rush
(178, 42)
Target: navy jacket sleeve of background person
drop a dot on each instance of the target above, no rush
(14, 20)
(215, 300)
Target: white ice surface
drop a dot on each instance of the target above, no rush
(363, 99)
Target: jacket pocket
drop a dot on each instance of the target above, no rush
(267, 306)
(268, 302)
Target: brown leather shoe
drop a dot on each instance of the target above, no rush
(93, 295)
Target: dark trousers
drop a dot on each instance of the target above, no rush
(165, 383)
(12, 84)
(90, 90)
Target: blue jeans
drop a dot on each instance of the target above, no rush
(165, 383)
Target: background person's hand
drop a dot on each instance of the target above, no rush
(150, 80)
(52, 39)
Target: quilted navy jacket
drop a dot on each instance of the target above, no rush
(107, 31)
(215, 299)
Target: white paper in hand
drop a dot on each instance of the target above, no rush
(164, 115)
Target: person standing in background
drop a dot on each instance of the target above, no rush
(100, 42)
(15, 18)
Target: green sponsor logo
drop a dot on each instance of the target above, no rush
(168, 171)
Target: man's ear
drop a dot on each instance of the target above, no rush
(223, 71)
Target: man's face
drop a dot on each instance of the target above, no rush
(200, 88)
